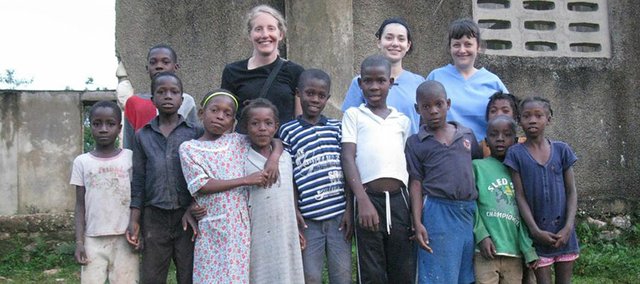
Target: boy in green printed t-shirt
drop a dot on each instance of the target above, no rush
(502, 240)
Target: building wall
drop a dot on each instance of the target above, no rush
(595, 100)
(40, 135)
(9, 152)
(206, 35)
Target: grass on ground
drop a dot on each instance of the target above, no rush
(38, 260)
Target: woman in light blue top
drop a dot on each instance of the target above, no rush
(394, 41)
(468, 87)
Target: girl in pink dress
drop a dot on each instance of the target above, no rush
(213, 167)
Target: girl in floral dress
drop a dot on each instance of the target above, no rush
(213, 166)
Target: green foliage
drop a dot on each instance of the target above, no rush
(10, 81)
(88, 142)
(24, 260)
(603, 261)
(617, 261)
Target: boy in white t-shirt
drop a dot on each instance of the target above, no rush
(103, 194)
(373, 139)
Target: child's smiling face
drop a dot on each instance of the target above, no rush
(313, 97)
(261, 126)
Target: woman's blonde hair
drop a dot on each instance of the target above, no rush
(282, 23)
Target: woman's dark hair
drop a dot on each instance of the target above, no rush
(464, 27)
(395, 20)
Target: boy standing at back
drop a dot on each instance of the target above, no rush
(443, 191)
(158, 189)
(139, 109)
(323, 212)
(373, 139)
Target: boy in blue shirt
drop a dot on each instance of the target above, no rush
(442, 188)
(323, 211)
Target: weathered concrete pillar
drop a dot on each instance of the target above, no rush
(50, 136)
(320, 35)
(9, 112)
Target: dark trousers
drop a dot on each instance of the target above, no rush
(164, 240)
(384, 257)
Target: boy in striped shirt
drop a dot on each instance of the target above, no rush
(323, 211)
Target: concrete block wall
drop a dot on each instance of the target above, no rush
(544, 28)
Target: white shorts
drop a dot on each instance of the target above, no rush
(110, 257)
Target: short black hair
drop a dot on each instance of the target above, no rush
(313, 74)
(499, 95)
(174, 55)
(376, 61)
(257, 103)
(395, 20)
(464, 27)
(512, 123)
(106, 104)
(154, 80)
(545, 103)
(430, 87)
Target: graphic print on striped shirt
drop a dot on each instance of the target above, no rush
(317, 171)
